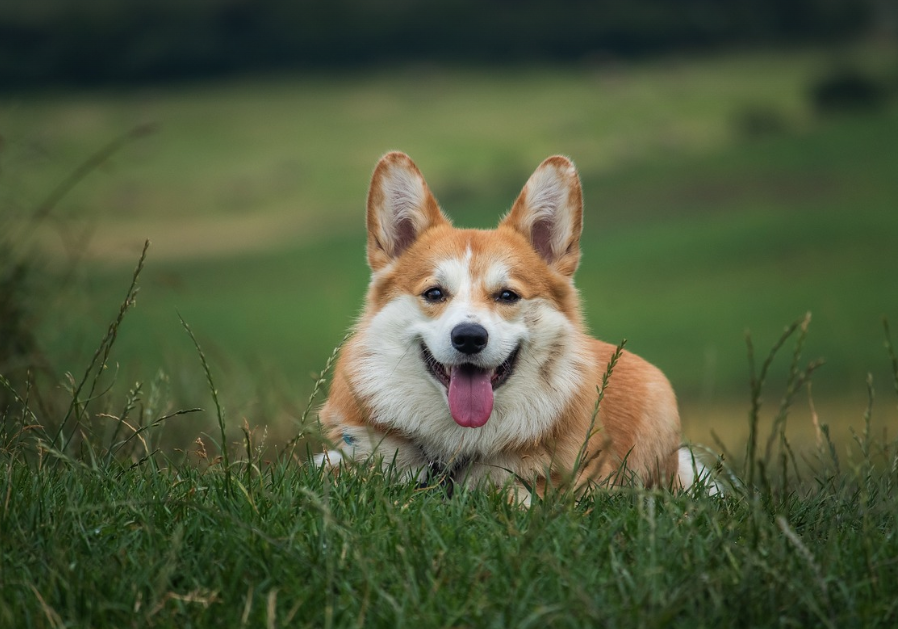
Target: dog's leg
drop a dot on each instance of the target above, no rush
(499, 473)
(363, 444)
(691, 470)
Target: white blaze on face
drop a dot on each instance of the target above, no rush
(454, 276)
(466, 305)
(471, 376)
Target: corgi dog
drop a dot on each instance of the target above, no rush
(471, 361)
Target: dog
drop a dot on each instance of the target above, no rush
(471, 364)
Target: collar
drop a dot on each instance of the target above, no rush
(445, 476)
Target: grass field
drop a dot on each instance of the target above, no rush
(253, 195)
(105, 533)
(119, 507)
(101, 528)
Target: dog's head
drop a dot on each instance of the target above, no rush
(472, 319)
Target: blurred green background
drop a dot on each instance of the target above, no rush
(738, 160)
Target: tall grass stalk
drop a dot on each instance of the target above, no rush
(756, 385)
(219, 411)
(584, 457)
(320, 381)
(77, 408)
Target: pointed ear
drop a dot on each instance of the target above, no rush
(549, 213)
(400, 208)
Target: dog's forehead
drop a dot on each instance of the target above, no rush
(468, 268)
(454, 270)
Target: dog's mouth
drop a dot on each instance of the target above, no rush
(470, 388)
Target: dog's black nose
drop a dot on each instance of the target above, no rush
(469, 338)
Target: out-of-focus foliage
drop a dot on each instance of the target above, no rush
(96, 41)
(18, 344)
(848, 89)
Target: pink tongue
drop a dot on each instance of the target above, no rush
(470, 396)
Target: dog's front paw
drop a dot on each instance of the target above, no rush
(328, 458)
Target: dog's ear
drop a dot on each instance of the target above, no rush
(549, 213)
(400, 208)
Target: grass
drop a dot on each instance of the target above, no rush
(252, 195)
(282, 144)
(148, 511)
(110, 531)
(157, 548)
(698, 250)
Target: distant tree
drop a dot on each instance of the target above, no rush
(97, 41)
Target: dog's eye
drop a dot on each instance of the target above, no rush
(507, 296)
(434, 295)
